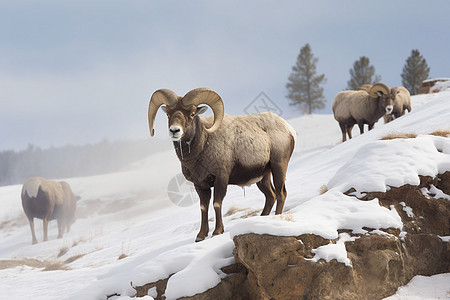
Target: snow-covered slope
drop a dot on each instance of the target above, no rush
(129, 214)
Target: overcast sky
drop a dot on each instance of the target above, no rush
(75, 72)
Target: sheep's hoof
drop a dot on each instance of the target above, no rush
(199, 239)
(217, 232)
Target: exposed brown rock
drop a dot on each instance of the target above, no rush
(274, 267)
(427, 86)
(431, 215)
(160, 285)
(235, 286)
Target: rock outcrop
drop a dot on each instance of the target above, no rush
(274, 267)
(427, 86)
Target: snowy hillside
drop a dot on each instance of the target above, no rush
(128, 229)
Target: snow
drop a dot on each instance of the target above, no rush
(445, 238)
(334, 251)
(438, 193)
(407, 209)
(128, 214)
(424, 288)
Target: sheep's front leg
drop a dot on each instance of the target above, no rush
(61, 227)
(205, 196)
(220, 190)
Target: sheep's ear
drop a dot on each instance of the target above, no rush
(163, 108)
(380, 94)
(201, 110)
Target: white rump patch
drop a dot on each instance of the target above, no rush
(31, 187)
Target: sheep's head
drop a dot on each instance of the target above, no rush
(182, 111)
(384, 95)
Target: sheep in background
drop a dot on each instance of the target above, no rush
(402, 103)
(225, 150)
(362, 107)
(48, 200)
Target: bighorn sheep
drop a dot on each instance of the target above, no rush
(362, 107)
(48, 200)
(225, 150)
(402, 102)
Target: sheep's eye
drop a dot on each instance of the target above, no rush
(192, 115)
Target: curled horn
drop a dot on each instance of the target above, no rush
(209, 97)
(379, 87)
(160, 97)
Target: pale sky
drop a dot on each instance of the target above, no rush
(76, 72)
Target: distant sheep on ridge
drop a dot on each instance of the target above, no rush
(362, 107)
(48, 200)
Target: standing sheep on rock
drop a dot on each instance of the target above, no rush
(401, 104)
(225, 150)
(48, 200)
(362, 107)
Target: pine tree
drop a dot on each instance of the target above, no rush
(304, 85)
(362, 73)
(414, 72)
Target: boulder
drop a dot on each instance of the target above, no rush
(276, 267)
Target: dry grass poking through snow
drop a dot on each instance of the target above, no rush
(12, 223)
(323, 189)
(233, 210)
(247, 212)
(46, 265)
(287, 217)
(251, 213)
(443, 133)
(393, 136)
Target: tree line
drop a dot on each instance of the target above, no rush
(305, 86)
(73, 161)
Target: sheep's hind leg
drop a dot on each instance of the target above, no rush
(349, 131)
(205, 196)
(33, 234)
(266, 187)
(361, 127)
(61, 228)
(279, 178)
(343, 130)
(45, 223)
